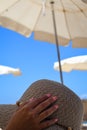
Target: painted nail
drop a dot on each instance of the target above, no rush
(54, 98)
(55, 120)
(19, 103)
(48, 95)
(31, 99)
(56, 106)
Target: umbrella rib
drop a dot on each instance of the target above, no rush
(10, 6)
(37, 20)
(66, 19)
(78, 7)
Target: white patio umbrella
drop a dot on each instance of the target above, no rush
(9, 70)
(55, 21)
(73, 63)
(84, 101)
(26, 16)
(84, 126)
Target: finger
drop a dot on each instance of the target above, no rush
(19, 104)
(48, 112)
(48, 123)
(35, 102)
(31, 99)
(43, 105)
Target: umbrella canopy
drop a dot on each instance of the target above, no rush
(9, 70)
(84, 101)
(26, 16)
(52, 21)
(73, 63)
(84, 126)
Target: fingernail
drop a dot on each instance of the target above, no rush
(31, 99)
(48, 95)
(19, 103)
(55, 120)
(54, 98)
(56, 106)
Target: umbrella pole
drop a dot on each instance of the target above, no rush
(57, 44)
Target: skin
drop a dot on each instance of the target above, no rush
(31, 114)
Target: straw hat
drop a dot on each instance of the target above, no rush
(69, 114)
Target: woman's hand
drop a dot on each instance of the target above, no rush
(31, 115)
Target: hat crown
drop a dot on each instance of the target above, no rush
(70, 110)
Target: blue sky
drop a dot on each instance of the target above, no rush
(36, 60)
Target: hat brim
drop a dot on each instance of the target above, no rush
(6, 111)
(55, 127)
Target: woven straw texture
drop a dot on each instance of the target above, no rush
(70, 110)
(70, 106)
(6, 112)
